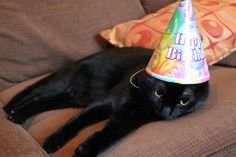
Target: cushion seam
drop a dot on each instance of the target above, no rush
(220, 149)
(145, 10)
(39, 148)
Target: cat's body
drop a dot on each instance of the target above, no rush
(101, 83)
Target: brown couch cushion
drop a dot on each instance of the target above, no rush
(205, 132)
(39, 36)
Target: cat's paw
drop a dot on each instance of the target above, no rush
(16, 117)
(53, 143)
(8, 108)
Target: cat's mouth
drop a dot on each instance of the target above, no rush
(167, 113)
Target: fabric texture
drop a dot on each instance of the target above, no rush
(41, 36)
(16, 142)
(151, 6)
(230, 60)
(228, 151)
(215, 20)
(208, 131)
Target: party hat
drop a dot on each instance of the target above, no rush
(179, 57)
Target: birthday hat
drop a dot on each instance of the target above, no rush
(179, 57)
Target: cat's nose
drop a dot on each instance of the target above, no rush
(166, 113)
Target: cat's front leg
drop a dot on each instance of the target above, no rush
(97, 111)
(114, 130)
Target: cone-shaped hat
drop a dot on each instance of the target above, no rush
(179, 57)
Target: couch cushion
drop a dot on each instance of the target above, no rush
(209, 131)
(39, 37)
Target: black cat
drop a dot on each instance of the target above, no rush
(110, 84)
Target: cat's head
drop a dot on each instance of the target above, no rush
(170, 100)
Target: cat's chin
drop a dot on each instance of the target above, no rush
(167, 118)
(167, 114)
(164, 114)
(173, 116)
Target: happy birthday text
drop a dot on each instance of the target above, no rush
(194, 44)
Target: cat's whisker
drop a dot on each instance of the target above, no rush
(131, 78)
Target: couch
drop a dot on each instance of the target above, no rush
(38, 37)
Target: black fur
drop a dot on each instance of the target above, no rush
(101, 84)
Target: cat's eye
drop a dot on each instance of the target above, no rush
(158, 93)
(184, 101)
